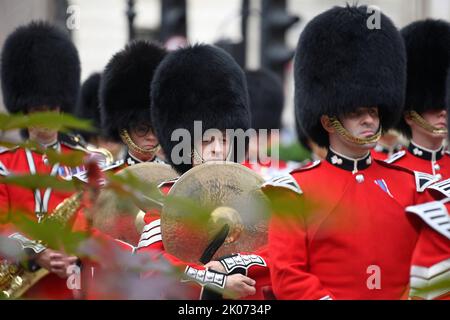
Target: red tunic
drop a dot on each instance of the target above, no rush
(356, 242)
(417, 158)
(13, 197)
(430, 271)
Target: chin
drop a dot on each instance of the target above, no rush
(370, 145)
(367, 146)
(436, 135)
(439, 136)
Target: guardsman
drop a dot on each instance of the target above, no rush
(40, 72)
(125, 99)
(180, 97)
(430, 267)
(347, 236)
(425, 117)
(125, 116)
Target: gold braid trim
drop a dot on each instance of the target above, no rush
(135, 148)
(421, 122)
(336, 124)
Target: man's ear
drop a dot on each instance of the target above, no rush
(408, 119)
(326, 124)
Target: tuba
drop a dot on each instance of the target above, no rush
(103, 156)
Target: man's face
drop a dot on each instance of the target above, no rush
(362, 123)
(436, 118)
(143, 136)
(41, 134)
(214, 147)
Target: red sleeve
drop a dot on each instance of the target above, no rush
(110, 241)
(291, 279)
(195, 276)
(430, 271)
(151, 242)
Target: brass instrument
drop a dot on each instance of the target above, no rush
(105, 154)
(15, 280)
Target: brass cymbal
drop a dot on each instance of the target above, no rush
(212, 195)
(121, 217)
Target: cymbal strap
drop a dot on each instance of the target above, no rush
(215, 244)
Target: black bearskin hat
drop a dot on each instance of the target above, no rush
(88, 104)
(428, 51)
(198, 83)
(341, 64)
(125, 87)
(40, 67)
(266, 99)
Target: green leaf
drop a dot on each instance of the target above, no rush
(51, 233)
(49, 119)
(293, 152)
(70, 159)
(32, 145)
(39, 181)
(143, 194)
(194, 215)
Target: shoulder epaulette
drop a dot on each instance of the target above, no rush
(116, 164)
(435, 215)
(307, 167)
(3, 170)
(4, 149)
(424, 180)
(285, 181)
(75, 142)
(395, 157)
(393, 166)
(82, 176)
(442, 187)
